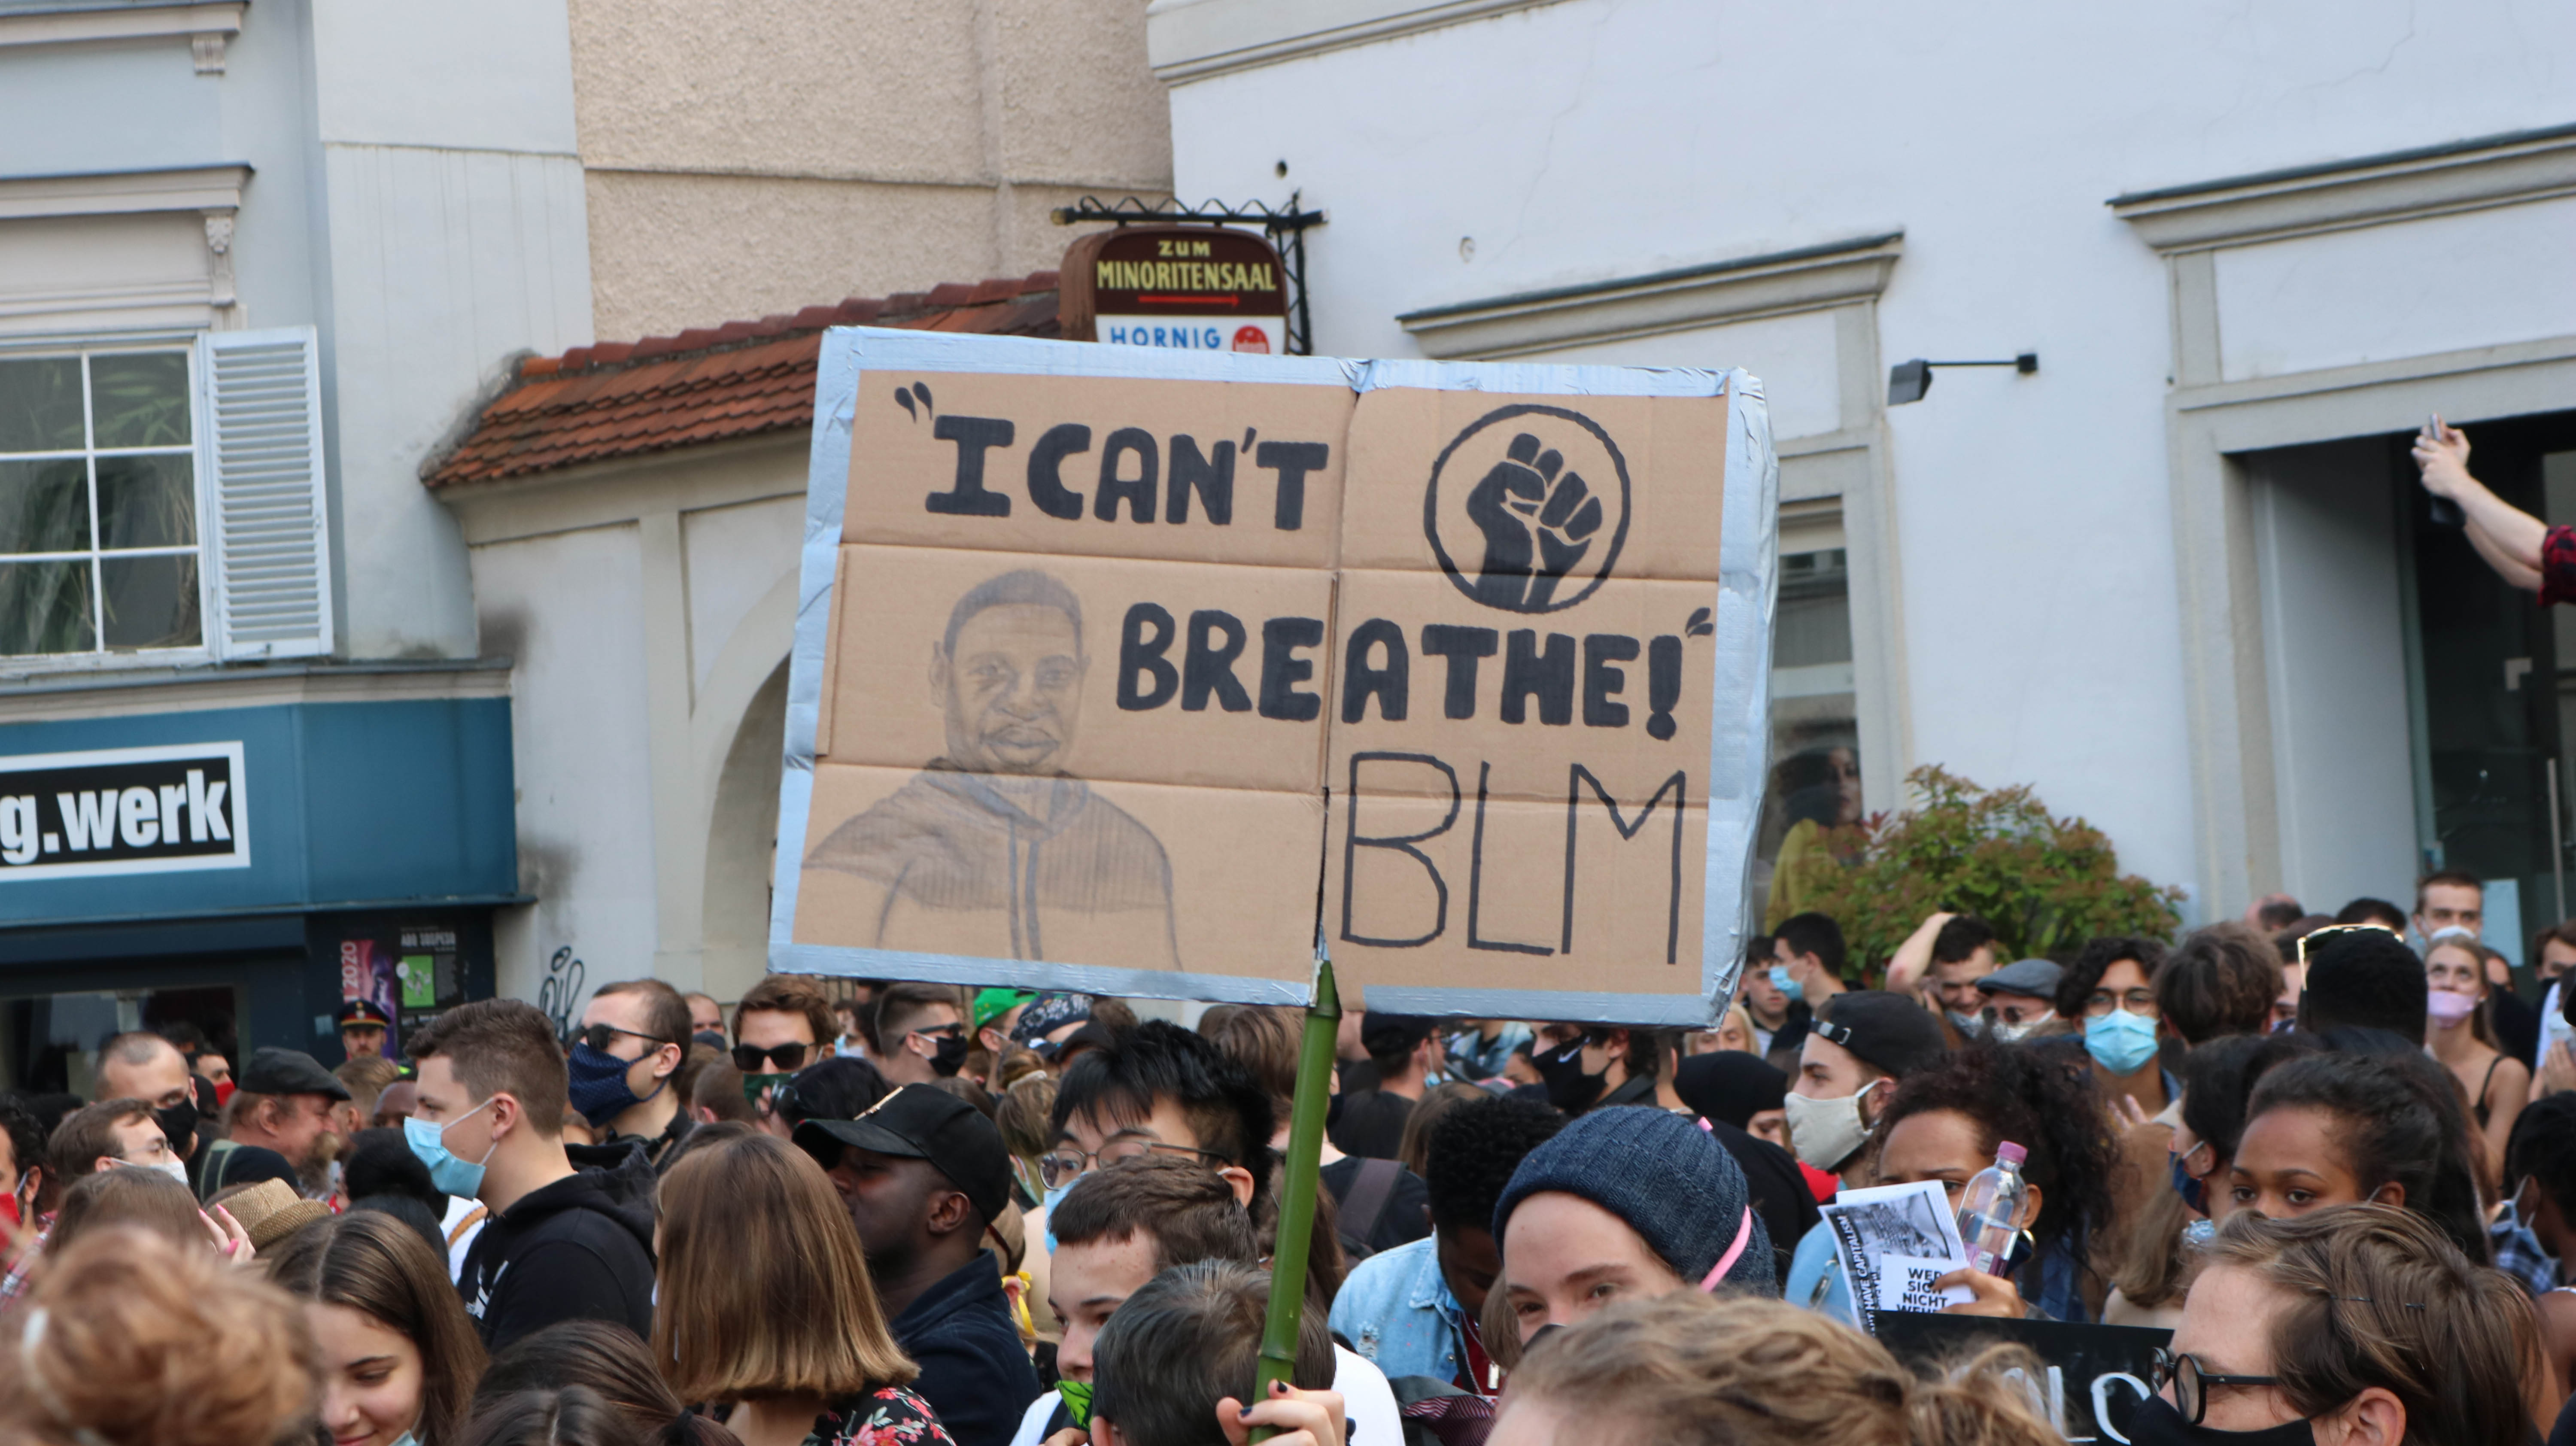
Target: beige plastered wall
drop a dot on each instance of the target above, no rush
(763, 155)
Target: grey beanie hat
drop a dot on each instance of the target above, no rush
(1670, 1180)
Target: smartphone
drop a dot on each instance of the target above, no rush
(2446, 513)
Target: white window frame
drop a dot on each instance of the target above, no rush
(268, 471)
(200, 456)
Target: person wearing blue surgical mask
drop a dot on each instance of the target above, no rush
(1807, 958)
(2109, 992)
(561, 1243)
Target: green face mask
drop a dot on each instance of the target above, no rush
(753, 1084)
(1077, 1402)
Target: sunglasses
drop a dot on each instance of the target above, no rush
(2335, 931)
(789, 1057)
(601, 1036)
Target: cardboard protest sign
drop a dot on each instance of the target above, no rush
(1124, 670)
(2092, 1377)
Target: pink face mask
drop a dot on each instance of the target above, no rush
(2448, 1008)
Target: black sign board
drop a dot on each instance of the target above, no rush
(2095, 1375)
(123, 811)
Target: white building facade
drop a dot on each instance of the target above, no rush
(2179, 577)
(255, 261)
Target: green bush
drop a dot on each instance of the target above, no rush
(2045, 884)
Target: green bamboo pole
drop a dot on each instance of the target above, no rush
(1298, 1182)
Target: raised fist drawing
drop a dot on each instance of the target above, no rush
(1537, 523)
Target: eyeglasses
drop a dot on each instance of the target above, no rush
(601, 1036)
(789, 1057)
(1064, 1164)
(2140, 1001)
(939, 1031)
(2191, 1384)
(2314, 937)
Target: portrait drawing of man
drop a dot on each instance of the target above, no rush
(994, 849)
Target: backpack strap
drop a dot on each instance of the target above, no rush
(1371, 1188)
(210, 1176)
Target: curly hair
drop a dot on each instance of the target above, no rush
(2041, 1099)
(1472, 1152)
(1687, 1369)
(130, 1340)
(2098, 955)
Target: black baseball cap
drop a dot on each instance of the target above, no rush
(1387, 1034)
(1888, 1032)
(274, 1071)
(361, 1013)
(921, 1123)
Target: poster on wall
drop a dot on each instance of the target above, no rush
(412, 970)
(1145, 673)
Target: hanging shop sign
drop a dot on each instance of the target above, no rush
(1113, 664)
(123, 811)
(1175, 288)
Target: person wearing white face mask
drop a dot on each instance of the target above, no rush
(2019, 998)
(1847, 1071)
(109, 1134)
(119, 1134)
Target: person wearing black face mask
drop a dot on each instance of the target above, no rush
(624, 1064)
(1594, 1068)
(921, 1033)
(2356, 1325)
(146, 1067)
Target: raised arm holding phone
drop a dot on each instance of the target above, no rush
(2522, 549)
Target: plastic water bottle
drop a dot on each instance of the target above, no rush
(1990, 1206)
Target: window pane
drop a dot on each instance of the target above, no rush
(140, 400)
(40, 404)
(44, 608)
(147, 501)
(44, 506)
(1815, 733)
(151, 601)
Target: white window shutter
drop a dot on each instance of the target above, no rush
(270, 563)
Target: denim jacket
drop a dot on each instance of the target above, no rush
(1396, 1310)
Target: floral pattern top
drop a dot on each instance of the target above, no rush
(891, 1417)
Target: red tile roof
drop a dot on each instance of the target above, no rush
(622, 399)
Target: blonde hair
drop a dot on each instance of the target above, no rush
(130, 1340)
(764, 1286)
(1687, 1369)
(2481, 1026)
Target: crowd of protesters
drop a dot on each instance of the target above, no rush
(2335, 1157)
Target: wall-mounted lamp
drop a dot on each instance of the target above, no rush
(1907, 381)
